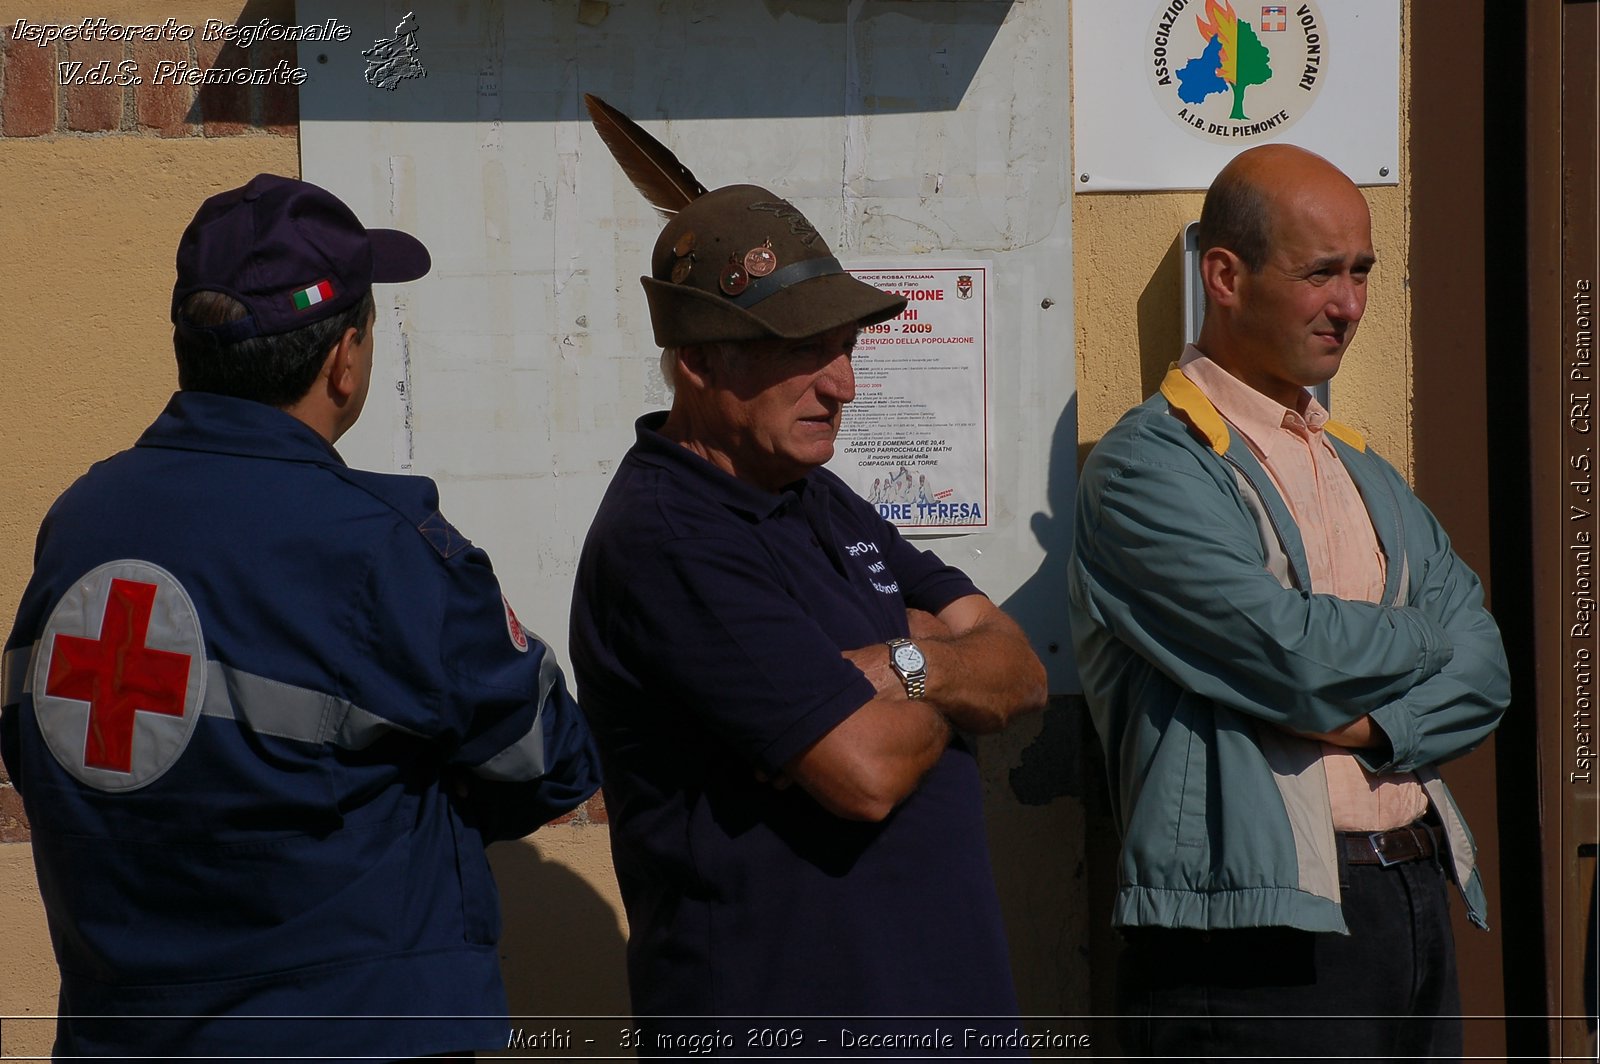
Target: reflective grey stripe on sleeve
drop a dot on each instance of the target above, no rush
(14, 673)
(523, 760)
(270, 707)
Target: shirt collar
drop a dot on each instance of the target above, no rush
(758, 503)
(1262, 421)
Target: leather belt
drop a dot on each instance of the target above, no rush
(1414, 842)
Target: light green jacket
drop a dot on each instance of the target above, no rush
(1203, 645)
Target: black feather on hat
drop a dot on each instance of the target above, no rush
(737, 263)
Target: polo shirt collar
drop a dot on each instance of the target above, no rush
(738, 495)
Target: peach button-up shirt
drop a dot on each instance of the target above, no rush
(1341, 549)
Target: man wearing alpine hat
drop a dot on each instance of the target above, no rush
(778, 682)
(264, 710)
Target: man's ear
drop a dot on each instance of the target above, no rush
(1220, 273)
(696, 367)
(340, 367)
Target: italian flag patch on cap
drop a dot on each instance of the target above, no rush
(310, 297)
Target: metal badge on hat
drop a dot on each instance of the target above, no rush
(734, 279)
(758, 262)
(669, 187)
(684, 251)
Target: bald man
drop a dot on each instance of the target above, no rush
(1279, 648)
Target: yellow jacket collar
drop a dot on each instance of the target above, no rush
(1192, 406)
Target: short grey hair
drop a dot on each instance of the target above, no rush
(724, 351)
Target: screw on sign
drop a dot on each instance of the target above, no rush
(119, 676)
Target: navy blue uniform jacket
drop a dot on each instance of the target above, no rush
(264, 711)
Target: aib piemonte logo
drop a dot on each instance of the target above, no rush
(1236, 74)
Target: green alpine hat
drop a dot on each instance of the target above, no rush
(739, 263)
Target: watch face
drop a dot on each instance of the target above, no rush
(908, 658)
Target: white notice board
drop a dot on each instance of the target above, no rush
(1167, 91)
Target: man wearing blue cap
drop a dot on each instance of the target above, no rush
(264, 711)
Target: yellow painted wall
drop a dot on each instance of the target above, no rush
(27, 966)
(87, 361)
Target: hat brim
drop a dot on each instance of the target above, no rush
(683, 315)
(397, 256)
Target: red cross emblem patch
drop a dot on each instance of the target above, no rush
(120, 676)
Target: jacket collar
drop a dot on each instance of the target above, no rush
(199, 421)
(1192, 406)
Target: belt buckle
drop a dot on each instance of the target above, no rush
(1384, 860)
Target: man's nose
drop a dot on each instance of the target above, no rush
(1348, 300)
(837, 380)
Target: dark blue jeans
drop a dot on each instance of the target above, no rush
(1387, 990)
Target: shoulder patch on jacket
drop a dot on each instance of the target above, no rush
(442, 535)
(415, 500)
(120, 675)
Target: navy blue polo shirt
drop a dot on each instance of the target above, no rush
(707, 626)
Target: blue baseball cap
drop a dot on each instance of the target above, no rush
(291, 252)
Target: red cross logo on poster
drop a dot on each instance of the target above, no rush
(120, 676)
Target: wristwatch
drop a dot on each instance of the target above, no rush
(905, 657)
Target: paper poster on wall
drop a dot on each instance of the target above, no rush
(914, 443)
